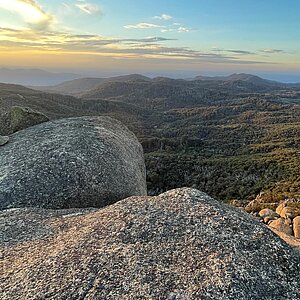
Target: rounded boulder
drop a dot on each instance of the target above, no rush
(71, 163)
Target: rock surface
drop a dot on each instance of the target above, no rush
(3, 140)
(280, 207)
(179, 245)
(77, 162)
(268, 215)
(289, 212)
(283, 225)
(296, 226)
(289, 239)
(282, 222)
(19, 118)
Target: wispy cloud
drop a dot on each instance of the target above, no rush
(88, 7)
(142, 26)
(233, 51)
(30, 11)
(248, 52)
(95, 45)
(163, 17)
(166, 27)
(179, 29)
(269, 50)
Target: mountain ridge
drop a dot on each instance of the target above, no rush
(34, 77)
(81, 85)
(77, 86)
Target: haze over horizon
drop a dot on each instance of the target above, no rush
(157, 38)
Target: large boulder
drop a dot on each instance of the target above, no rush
(18, 118)
(179, 245)
(77, 162)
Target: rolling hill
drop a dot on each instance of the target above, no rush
(166, 93)
(231, 139)
(240, 77)
(89, 87)
(60, 106)
(81, 85)
(31, 77)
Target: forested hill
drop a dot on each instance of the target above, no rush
(229, 138)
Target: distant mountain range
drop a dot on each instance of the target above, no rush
(34, 77)
(81, 85)
(239, 77)
(91, 86)
(75, 84)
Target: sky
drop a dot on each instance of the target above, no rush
(158, 37)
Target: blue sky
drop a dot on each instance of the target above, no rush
(166, 37)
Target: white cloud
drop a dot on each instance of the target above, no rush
(88, 7)
(183, 29)
(142, 26)
(179, 29)
(30, 11)
(271, 50)
(163, 17)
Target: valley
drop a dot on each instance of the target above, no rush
(232, 137)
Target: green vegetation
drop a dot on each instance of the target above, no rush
(232, 140)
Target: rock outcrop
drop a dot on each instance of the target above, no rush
(77, 162)
(19, 118)
(179, 245)
(284, 220)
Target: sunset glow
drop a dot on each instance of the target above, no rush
(219, 36)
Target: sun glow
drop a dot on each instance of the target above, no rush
(29, 10)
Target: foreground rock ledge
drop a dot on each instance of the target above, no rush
(77, 162)
(179, 245)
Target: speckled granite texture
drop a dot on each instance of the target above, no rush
(179, 245)
(71, 163)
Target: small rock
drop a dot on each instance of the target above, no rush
(288, 221)
(296, 226)
(288, 212)
(280, 207)
(3, 140)
(267, 215)
(282, 225)
(270, 219)
(266, 212)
